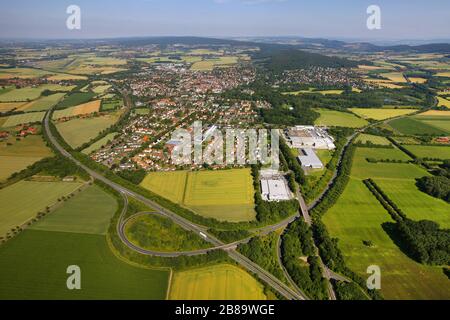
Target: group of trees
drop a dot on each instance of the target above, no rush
(292, 162)
(301, 262)
(438, 185)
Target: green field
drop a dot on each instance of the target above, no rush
(416, 204)
(23, 200)
(24, 118)
(90, 211)
(21, 154)
(435, 152)
(76, 132)
(224, 195)
(358, 217)
(34, 267)
(412, 126)
(30, 93)
(333, 118)
(381, 113)
(76, 99)
(44, 103)
(100, 143)
(365, 138)
(157, 233)
(219, 282)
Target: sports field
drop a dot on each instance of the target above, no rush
(76, 132)
(154, 232)
(413, 126)
(82, 109)
(34, 267)
(417, 205)
(358, 216)
(21, 154)
(100, 143)
(90, 211)
(333, 118)
(218, 282)
(380, 113)
(23, 200)
(434, 152)
(43, 103)
(224, 195)
(365, 138)
(24, 118)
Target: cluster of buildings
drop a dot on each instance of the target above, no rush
(307, 139)
(335, 77)
(20, 131)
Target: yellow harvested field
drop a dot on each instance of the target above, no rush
(443, 74)
(64, 76)
(394, 76)
(218, 282)
(383, 83)
(417, 80)
(436, 113)
(85, 108)
(365, 67)
(8, 106)
(443, 102)
(381, 114)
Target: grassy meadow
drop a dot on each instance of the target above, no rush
(332, 118)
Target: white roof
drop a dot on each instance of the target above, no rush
(309, 158)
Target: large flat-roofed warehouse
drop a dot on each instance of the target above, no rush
(310, 136)
(309, 159)
(274, 190)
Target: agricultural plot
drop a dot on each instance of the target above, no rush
(381, 113)
(65, 77)
(100, 143)
(417, 80)
(219, 282)
(24, 118)
(76, 99)
(383, 83)
(358, 216)
(42, 104)
(82, 109)
(333, 118)
(434, 152)
(365, 138)
(22, 73)
(23, 200)
(88, 212)
(224, 195)
(101, 89)
(210, 64)
(21, 154)
(442, 102)
(157, 233)
(76, 132)
(413, 126)
(9, 106)
(416, 204)
(49, 253)
(394, 76)
(111, 105)
(30, 93)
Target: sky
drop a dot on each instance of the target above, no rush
(400, 19)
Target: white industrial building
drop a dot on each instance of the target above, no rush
(309, 159)
(310, 137)
(275, 190)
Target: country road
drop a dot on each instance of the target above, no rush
(265, 276)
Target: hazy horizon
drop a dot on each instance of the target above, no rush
(100, 19)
